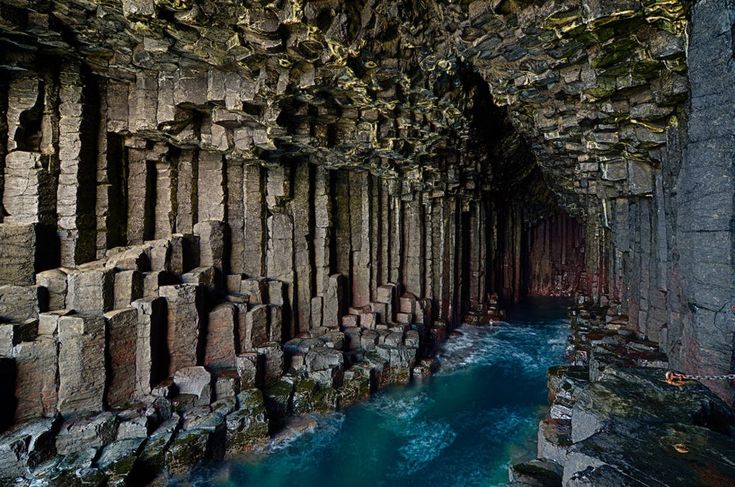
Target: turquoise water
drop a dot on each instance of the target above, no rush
(463, 427)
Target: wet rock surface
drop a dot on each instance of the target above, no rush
(615, 420)
(301, 198)
(116, 417)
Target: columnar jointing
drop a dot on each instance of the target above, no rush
(216, 216)
(233, 272)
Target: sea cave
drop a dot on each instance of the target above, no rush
(365, 242)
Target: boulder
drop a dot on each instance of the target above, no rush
(91, 289)
(195, 381)
(26, 446)
(118, 459)
(84, 432)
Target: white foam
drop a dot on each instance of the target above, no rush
(508, 346)
(307, 447)
(426, 441)
(401, 408)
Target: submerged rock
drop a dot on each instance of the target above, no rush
(294, 428)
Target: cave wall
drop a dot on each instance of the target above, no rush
(626, 101)
(390, 143)
(554, 259)
(703, 246)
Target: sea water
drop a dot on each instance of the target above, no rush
(462, 427)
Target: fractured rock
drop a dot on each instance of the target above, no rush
(128, 288)
(55, 282)
(19, 304)
(247, 426)
(26, 446)
(85, 432)
(250, 368)
(195, 381)
(122, 339)
(91, 289)
(82, 376)
(17, 254)
(212, 250)
(273, 363)
(151, 344)
(36, 390)
(185, 304)
(118, 459)
(220, 351)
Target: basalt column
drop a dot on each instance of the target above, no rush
(292, 189)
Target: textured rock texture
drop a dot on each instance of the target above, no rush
(614, 420)
(356, 176)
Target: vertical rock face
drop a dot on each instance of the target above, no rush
(152, 356)
(121, 343)
(36, 368)
(260, 182)
(185, 324)
(17, 254)
(91, 289)
(82, 374)
(703, 231)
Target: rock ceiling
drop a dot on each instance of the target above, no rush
(590, 86)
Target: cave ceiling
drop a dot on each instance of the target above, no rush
(444, 95)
